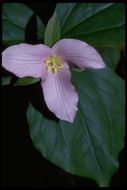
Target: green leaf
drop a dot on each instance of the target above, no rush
(111, 56)
(40, 30)
(15, 17)
(26, 81)
(52, 31)
(100, 24)
(6, 80)
(88, 147)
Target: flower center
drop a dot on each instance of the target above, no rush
(53, 63)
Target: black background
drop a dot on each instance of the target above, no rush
(22, 164)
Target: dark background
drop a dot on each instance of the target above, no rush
(22, 164)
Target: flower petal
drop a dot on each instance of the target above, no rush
(79, 53)
(60, 95)
(26, 60)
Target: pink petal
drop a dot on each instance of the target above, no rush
(60, 95)
(26, 60)
(79, 53)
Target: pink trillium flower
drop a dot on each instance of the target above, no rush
(52, 66)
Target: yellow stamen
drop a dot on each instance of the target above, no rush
(55, 70)
(53, 63)
(49, 69)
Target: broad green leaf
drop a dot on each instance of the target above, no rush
(6, 80)
(52, 31)
(111, 56)
(107, 38)
(88, 147)
(15, 17)
(100, 24)
(26, 81)
(40, 30)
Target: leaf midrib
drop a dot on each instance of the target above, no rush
(20, 26)
(13, 23)
(108, 115)
(90, 137)
(104, 107)
(92, 32)
(69, 12)
(91, 141)
(99, 11)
